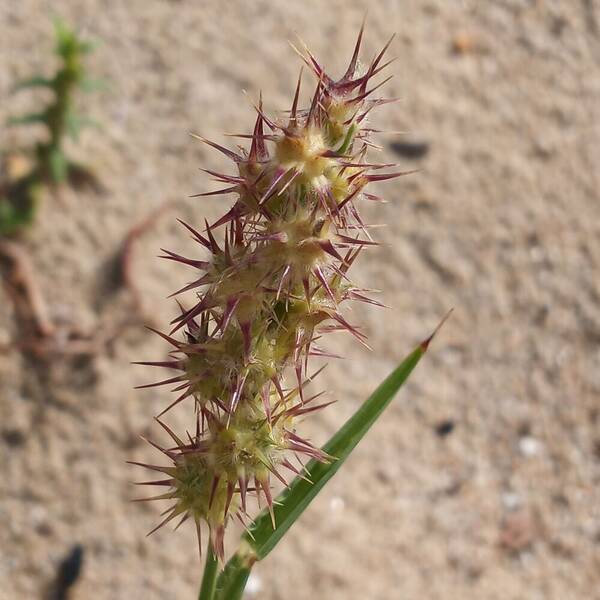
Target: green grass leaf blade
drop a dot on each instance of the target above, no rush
(34, 82)
(75, 123)
(292, 502)
(232, 581)
(58, 165)
(88, 46)
(89, 85)
(28, 119)
(209, 577)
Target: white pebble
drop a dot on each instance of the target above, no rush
(337, 504)
(511, 500)
(253, 585)
(529, 446)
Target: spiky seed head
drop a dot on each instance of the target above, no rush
(270, 290)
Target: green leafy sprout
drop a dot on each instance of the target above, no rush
(60, 119)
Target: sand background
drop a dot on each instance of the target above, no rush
(502, 223)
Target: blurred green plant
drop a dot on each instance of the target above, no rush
(60, 119)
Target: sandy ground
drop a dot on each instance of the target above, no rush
(482, 479)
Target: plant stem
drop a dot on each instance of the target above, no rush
(209, 577)
(232, 581)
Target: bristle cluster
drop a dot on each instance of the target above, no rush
(270, 289)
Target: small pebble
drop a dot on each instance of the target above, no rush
(411, 150)
(13, 437)
(464, 43)
(444, 428)
(254, 584)
(337, 504)
(529, 446)
(518, 530)
(511, 501)
(38, 515)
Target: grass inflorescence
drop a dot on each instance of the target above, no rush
(269, 288)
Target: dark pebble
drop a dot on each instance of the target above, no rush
(412, 150)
